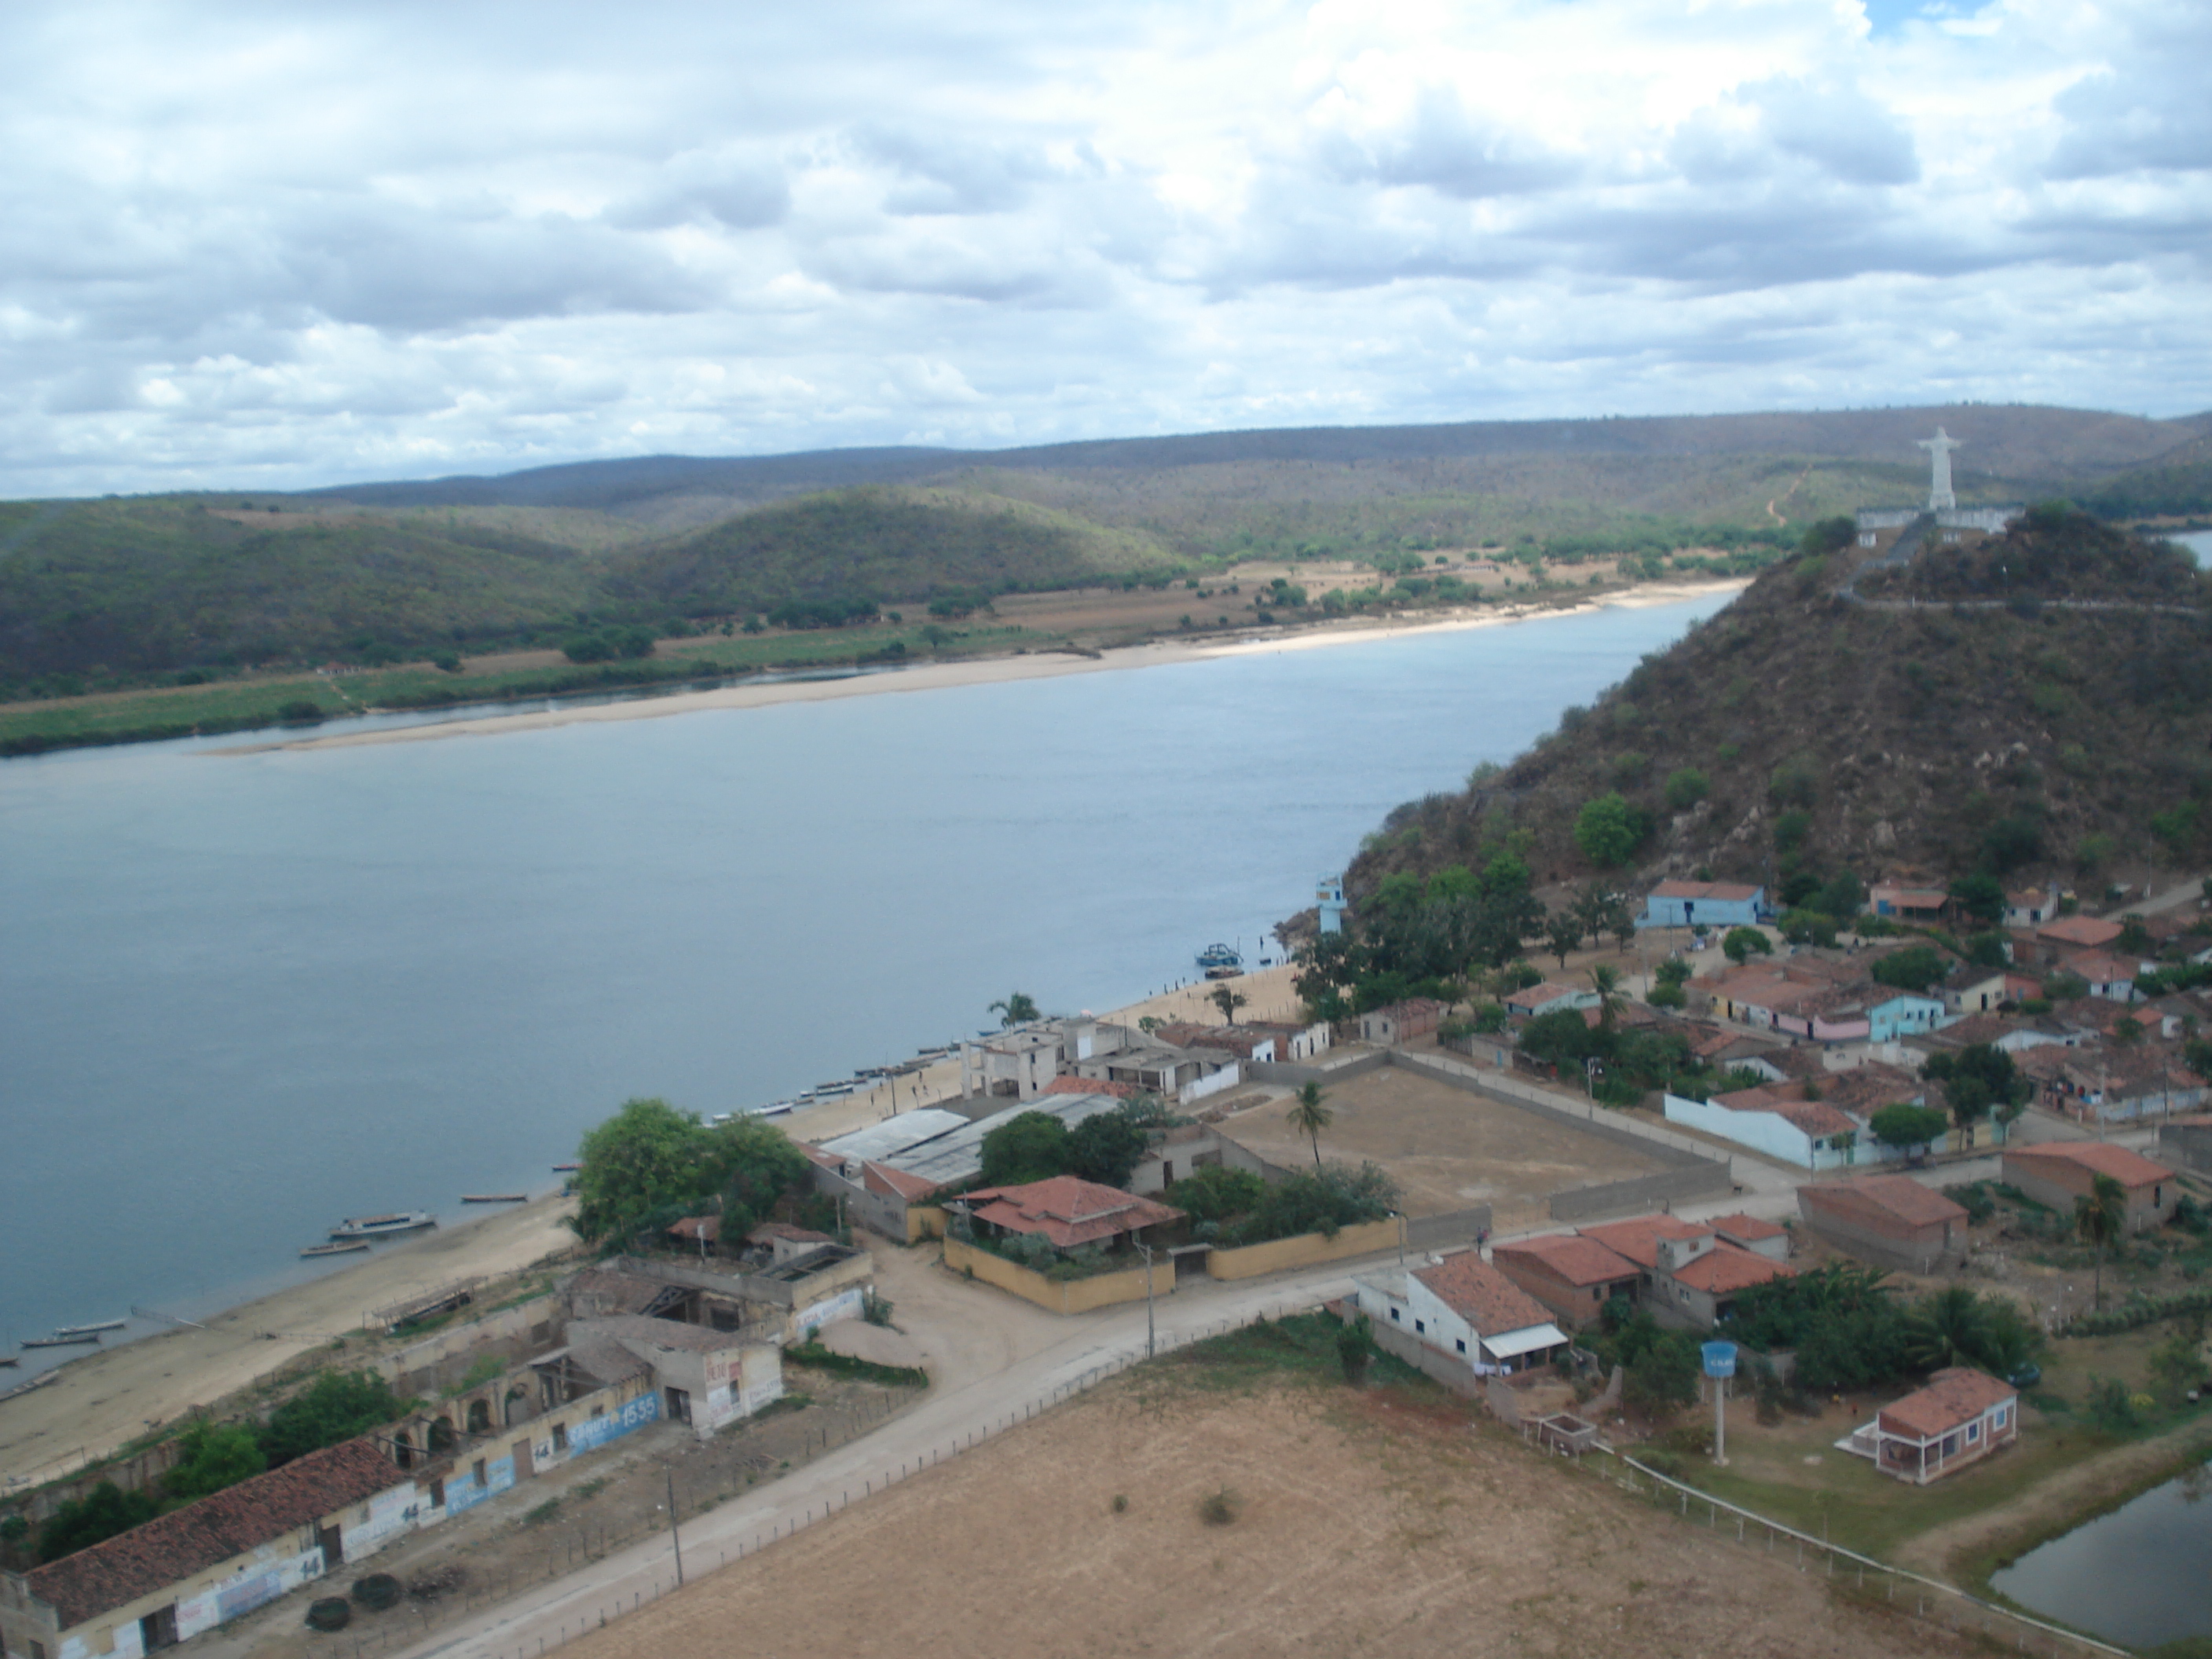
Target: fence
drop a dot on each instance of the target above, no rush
(724, 1553)
(1640, 1193)
(1933, 1602)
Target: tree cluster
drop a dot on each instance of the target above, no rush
(650, 1164)
(1105, 1147)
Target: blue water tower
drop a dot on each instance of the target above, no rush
(1720, 1365)
(1332, 904)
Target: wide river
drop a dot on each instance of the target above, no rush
(243, 995)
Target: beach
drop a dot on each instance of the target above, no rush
(105, 1400)
(989, 670)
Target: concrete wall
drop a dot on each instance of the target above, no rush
(2189, 1145)
(1426, 1232)
(1638, 1193)
(1916, 1255)
(1069, 1296)
(1447, 1369)
(1763, 1132)
(1297, 1075)
(1305, 1250)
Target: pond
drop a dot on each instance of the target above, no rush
(2138, 1576)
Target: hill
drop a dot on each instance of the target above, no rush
(2041, 703)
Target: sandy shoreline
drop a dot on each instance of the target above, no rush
(107, 1399)
(990, 671)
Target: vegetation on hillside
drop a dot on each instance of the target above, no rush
(2055, 725)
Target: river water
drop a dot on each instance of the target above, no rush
(2138, 1576)
(2198, 541)
(244, 995)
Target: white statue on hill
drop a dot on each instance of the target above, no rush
(1939, 449)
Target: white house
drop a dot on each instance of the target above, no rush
(1464, 1307)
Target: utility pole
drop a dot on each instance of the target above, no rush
(675, 1542)
(1148, 1250)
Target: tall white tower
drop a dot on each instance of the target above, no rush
(1939, 449)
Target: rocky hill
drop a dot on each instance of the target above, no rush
(2041, 703)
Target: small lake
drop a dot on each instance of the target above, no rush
(2141, 1576)
(2198, 541)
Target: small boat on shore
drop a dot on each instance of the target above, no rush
(382, 1226)
(566, 1169)
(90, 1330)
(9, 1360)
(346, 1246)
(495, 1198)
(58, 1341)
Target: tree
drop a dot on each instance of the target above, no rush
(1217, 1192)
(102, 1513)
(1019, 1009)
(1663, 1376)
(1605, 980)
(1979, 1080)
(645, 1158)
(1906, 1126)
(1564, 932)
(1355, 1349)
(1029, 1147)
(1915, 968)
(337, 1406)
(1742, 942)
(2101, 1218)
(2178, 1363)
(758, 1165)
(1105, 1147)
(1608, 829)
(211, 1458)
(1310, 1116)
(1949, 1328)
(1229, 1000)
(1982, 897)
(1686, 787)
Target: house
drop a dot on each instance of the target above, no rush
(1548, 998)
(1890, 1220)
(2066, 935)
(1017, 1063)
(1465, 1311)
(1294, 1043)
(2002, 1031)
(2111, 977)
(1960, 1418)
(1736, 1051)
(1704, 904)
(2110, 1084)
(1695, 1281)
(1572, 1276)
(1823, 998)
(1748, 1233)
(1067, 1212)
(1182, 1075)
(1903, 902)
(1777, 1118)
(705, 1377)
(195, 1568)
(1971, 990)
(2030, 908)
(1901, 1014)
(2057, 1172)
(1401, 1021)
(1246, 1042)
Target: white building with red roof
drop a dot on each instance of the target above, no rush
(1067, 1212)
(1463, 1311)
(1960, 1418)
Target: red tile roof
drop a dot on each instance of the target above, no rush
(2086, 931)
(1747, 1226)
(1092, 1085)
(2099, 967)
(1482, 1296)
(2100, 1157)
(1887, 1197)
(894, 1183)
(768, 1231)
(189, 1540)
(1952, 1399)
(708, 1227)
(1068, 1210)
(1724, 1269)
(1735, 892)
(1577, 1260)
(1638, 1237)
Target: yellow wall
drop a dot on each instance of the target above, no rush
(924, 1221)
(1305, 1250)
(1071, 1297)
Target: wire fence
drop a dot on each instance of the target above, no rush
(1928, 1600)
(712, 1557)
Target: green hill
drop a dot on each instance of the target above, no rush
(2039, 703)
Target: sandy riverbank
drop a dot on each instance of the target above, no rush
(989, 670)
(98, 1403)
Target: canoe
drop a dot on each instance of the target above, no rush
(376, 1226)
(59, 1342)
(495, 1198)
(345, 1248)
(89, 1330)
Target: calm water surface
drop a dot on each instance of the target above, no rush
(243, 996)
(2138, 1576)
(2198, 541)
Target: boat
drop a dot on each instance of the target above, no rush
(380, 1226)
(59, 1342)
(566, 1169)
(1220, 961)
(89, 1330)
(9, 1360)
(495, 1198)
(342, 1246)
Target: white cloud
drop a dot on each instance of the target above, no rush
(256, 243)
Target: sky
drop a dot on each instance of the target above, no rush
(288, 245)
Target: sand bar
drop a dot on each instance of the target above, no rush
(990, 671)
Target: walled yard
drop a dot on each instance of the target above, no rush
(1446, 1147)
(576, 1513)
(1384, 1520)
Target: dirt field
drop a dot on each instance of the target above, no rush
(1375, 1523)
(1447, 1147)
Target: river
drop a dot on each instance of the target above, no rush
(2136, 1576)
(244, 995)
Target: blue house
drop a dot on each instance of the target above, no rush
(1904, 1014)
(1704, 904)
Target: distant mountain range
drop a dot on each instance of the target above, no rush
(112, 592)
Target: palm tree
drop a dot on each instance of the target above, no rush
(1605, 980)
(2100, 1216)
(1019, 1009)
(1310, 1117)
(1228, 1001)
(1951, 1328)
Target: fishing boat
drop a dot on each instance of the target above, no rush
(495, 1198)
(566, 1169)
(382, 1226)
(337, 1246)
(58, 1341)
(1220, 962)
(9, 1360)
(89, 1330)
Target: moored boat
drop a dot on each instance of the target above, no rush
(1219, 961)
(382, 1226)
(89, 1330)
(566, 1169)
(495, 1198)
(346, 1247)
(91, 1337)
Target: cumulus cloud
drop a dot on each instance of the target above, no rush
(273, 246)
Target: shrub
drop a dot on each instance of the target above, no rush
(1608, 830)
(329, 1613)
(378, 1591)
(1217, 1508)
(301, 711)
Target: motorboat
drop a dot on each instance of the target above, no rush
(383, 1226)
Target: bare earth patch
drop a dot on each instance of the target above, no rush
(1448, 1148)
(1379, 1522)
